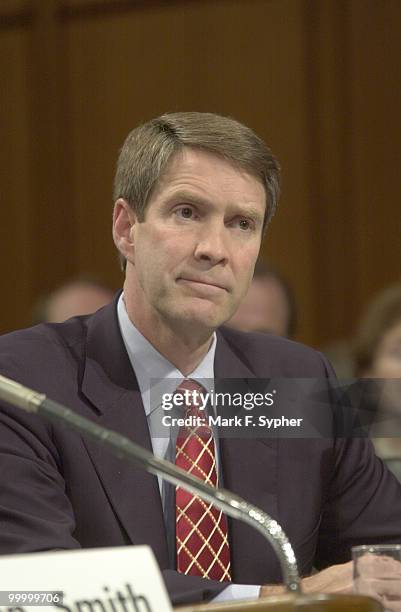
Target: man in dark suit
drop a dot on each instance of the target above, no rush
(194, 193)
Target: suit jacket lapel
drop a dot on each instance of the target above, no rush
(109, 383)
(250, 470)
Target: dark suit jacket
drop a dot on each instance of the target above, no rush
(61, 491)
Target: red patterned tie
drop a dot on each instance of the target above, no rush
(201, 529)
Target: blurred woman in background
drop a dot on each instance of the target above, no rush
(378, 355)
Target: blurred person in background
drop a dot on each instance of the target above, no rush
(75, 298)
(269, 306)
(378, 355)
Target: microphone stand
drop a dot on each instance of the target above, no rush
(233, 505)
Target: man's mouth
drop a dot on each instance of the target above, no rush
(205, 284)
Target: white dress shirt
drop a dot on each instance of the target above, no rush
(155, 376)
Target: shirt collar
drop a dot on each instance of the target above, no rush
(155, 374)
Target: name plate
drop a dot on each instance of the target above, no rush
(122, 579)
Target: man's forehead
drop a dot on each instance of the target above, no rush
(201, 165)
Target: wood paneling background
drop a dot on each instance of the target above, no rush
(318, 79)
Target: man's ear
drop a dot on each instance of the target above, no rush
(124, 220)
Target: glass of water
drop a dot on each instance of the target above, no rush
(377, 572)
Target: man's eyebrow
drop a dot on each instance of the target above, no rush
(191, 198)
(254, 214)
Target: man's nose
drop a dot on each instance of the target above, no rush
(211, 244)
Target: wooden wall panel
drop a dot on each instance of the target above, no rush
(16, 211)
(53, 222)
(375, 52)
(38, 229)
(328, 102)
(15, 13)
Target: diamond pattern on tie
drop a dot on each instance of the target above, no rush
(201, 529)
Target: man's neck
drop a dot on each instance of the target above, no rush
(181, 345)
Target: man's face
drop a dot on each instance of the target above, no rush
(193, 256)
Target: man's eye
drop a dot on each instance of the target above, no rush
(186, 212)
(244, 224)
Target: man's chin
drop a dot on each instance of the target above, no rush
(202, 317)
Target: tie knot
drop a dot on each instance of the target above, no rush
(192, 394)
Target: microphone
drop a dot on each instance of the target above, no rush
(18, 395)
